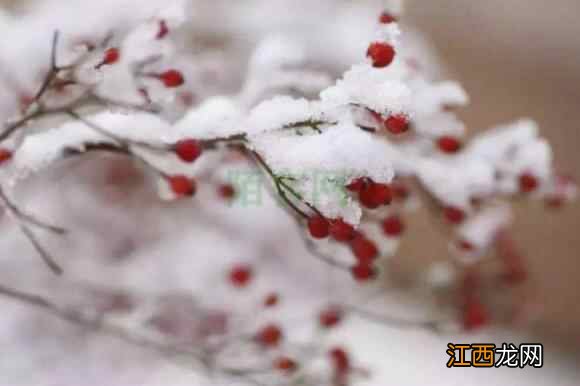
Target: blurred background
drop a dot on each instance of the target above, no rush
(521, 58)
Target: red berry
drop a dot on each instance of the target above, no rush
(271, 300)
(319, 227)
(397, 124)
(240, 276)
(171, 78)
(181, 185)
(363, 272)
(112, 55)
(285, 364)
(340, 359)
(269, 336)
(188, 150)
(400, 191)
(364, 250)
(555, 201)
(226, 191)
(381, 53)
(387, 18)
(514, 271)
(393, 226)
(330, 317)
(374, 195)
(528, 183)
(475, 315)
(454, 215)
(448, 144)
(341, 230)
(163, 30)
(465, 246)
(357, 184)
(5, 155)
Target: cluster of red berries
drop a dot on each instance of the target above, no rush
(365, 250)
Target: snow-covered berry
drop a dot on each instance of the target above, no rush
(382, 54)
(387, 18)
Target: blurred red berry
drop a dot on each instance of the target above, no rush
(226, 191)
(357, 184)
(240, 276)
(393, 226)
(330, 317)
(181, 185)
(387, 18)
(269, 336)
(465, 246)
(271, 300)
(171, 78)
(528, 183)
(364, 250)
(285, 364)
(340, 359)
(400, 191)
(382, 54)
(449, 144)
(454, 215)
(363, 272)
(163, 30)
(5, 155)
(475, 315)
(111, 56)
(188, 150)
